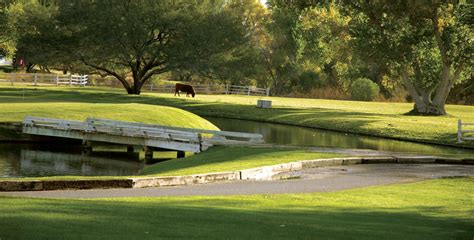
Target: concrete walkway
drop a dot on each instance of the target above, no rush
(326, 179)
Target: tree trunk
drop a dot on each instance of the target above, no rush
(423, 104)
(376, 73)
(29, 67)
(329, 69)
(134, 89)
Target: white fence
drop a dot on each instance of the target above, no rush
(461, 131)
(213, 89)
(36, 79)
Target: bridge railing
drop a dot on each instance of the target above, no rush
(129, 129)
(55, 123)
(211, 137)
(202, 137)
(113, 129)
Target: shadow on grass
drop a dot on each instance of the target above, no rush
(214, 218)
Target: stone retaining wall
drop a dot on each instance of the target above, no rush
(260, 173)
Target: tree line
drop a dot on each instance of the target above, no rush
(358, 47)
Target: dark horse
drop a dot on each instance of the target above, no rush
(188, 89)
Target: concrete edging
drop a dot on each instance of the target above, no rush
(260, 173)
(184, 180)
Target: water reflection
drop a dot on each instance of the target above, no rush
(291, 135)
(26, 160)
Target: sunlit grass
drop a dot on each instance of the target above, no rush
(223, 159)
(436, 209)
(40, 103)
(370, 118)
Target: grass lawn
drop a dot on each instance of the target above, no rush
(435, 209)
(371, 118)
(15, 107)
(223, 159)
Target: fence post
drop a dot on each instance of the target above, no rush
(57, 80)
(151, 87)
(267, 91)
(70, 80)
(226, 89)
(248, 91)
(35, 78)
(459, 131)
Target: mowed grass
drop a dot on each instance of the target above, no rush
(435, 209)
(369, 118)
(223, 159)
(15, 107)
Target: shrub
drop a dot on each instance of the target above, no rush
(364, 89)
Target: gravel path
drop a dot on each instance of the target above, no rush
(309, 180)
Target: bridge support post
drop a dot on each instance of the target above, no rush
(180, 154)
(148, 153)
(86, 146)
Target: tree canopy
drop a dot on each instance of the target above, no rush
(134, 40)
(290, 46)
(429, 45)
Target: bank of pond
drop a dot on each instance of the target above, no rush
(58, 158)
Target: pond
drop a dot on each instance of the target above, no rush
(302, 136)
(53, 159)
(62, 159)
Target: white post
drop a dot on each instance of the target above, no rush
(226, 89)
(267, 91)
(57, 80)
(248, 91)
(151, 87)
(35, 78)
(459, 131)
(70, 80)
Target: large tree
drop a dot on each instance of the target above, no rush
(429, 44)
(237, 65)
(326, 32)
(7, 31)
(133, 40)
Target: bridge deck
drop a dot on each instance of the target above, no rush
(128, 133)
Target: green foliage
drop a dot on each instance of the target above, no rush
(281, 49)
(8, 32)
(428, 45)
(326, 31)
(364, 89)
(308, 80)
(135, 40)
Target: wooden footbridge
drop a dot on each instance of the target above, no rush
(149, 136)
